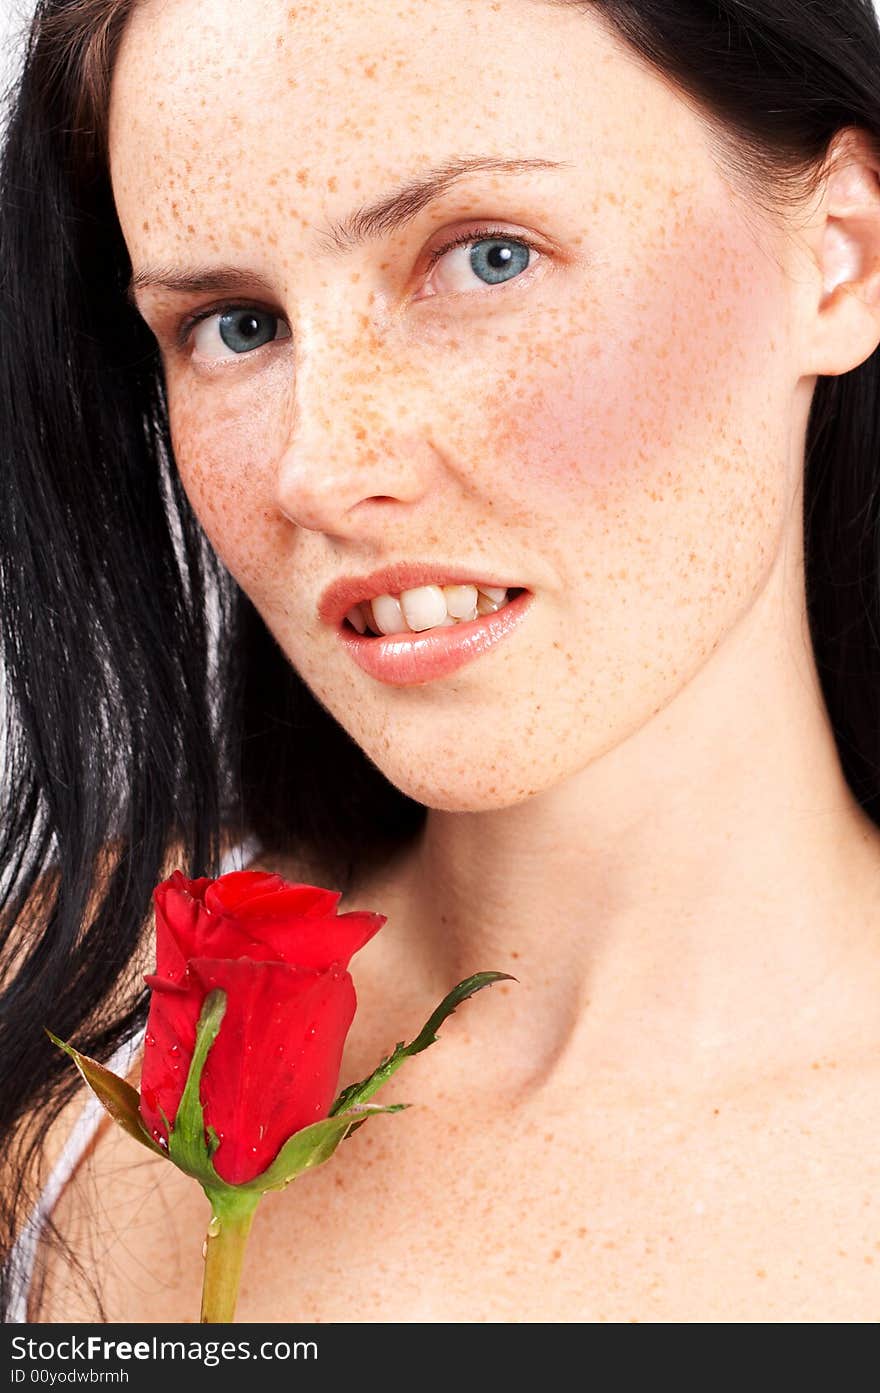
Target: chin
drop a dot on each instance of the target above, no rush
(462, 790)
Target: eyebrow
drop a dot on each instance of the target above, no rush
(367, 223)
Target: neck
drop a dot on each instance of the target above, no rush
(688, 906)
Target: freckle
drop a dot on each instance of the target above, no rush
(332, 183)
(370, 70)
(582, 1233)
(514, 954)
(548, 1136)
(760, 1272)
(302, 176)
(556, 1255)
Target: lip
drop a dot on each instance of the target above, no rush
(340, 595)
(405, 660)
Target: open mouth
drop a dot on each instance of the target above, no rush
(465, 610)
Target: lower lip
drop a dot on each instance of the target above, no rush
(405, 660)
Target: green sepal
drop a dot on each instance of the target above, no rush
(116, 1094)
(188, 1147)
(311, 1146)
(360, 1092)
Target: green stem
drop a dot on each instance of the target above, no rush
(231, 1218)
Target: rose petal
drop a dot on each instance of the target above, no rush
(274, 1067)
(169, 1041)
(293, 899)
(314, 942)
(177, 915)
(230, 890)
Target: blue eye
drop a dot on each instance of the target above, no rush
(244, 329)
(241, 328)
(499, 260)
(495, 256)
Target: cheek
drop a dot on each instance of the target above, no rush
(222, 439)
(646, 443)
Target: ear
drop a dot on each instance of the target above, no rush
(844, 239)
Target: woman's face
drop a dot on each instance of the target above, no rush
(608, 422)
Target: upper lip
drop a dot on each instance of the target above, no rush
(345, 592)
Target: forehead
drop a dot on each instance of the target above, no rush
(223, 102)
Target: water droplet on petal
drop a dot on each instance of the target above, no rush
(214, 1226)
(175, 1049)
(151, 1040)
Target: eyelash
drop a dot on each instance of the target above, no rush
(462, 239)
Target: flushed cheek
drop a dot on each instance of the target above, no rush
(647, 452)
(649, 440)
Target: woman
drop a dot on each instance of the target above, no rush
(580, 300)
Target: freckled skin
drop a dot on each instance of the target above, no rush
(636, 803)
(582, 436)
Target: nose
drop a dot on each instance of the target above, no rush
(353, 435)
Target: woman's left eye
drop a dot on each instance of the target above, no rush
(495, 255)
(240, 328)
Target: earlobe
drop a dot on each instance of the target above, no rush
(848, 250)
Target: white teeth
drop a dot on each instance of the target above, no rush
(426, 607)
(355, 617)
(461, 600)
(388, 614)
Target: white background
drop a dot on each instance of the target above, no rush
(14, 17)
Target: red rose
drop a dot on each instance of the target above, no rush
(280, 952)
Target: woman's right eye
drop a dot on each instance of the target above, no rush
(238, 328)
